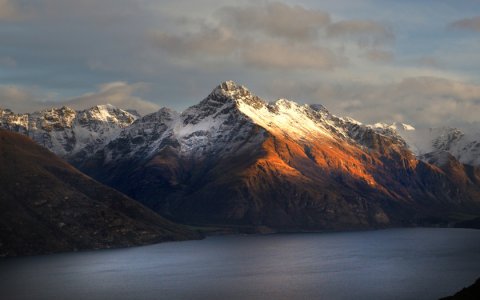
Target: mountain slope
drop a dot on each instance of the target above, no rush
(235, 159)
(48, 206)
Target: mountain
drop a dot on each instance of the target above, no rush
(49, 206)
(234, 159)
(464, 146)
(469, 293)
(65, 131)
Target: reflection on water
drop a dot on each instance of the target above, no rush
(387, 264)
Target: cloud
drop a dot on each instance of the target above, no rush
(23, 99)
(272, 35)
(429, 61)
(120, 94)
(213, 43)
(276, 19)
(17, 98)
(471, 24)
(366, 32)
(377, 55)
(7, 61)
(282, 56)
(421, 101)
(10, 11)
(207, 40)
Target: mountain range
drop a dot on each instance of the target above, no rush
(236, 160)
(65, 131)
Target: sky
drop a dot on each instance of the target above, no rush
(416, 62)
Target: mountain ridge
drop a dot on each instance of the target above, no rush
(465, 147)
(236, 159)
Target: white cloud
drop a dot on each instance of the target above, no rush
(21, 98)
(119, 94)
(12, 96)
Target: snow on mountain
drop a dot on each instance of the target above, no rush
(465, 147)
(394, 126)
(236, 159)
(211, 128)
(65, 131)
(222, 123)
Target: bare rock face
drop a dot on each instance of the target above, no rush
(49, 206)
(235, 159)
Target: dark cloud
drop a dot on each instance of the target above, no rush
(472, 24)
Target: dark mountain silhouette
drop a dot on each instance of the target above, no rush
(49, 206)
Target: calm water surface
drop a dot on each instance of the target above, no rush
(386, 264)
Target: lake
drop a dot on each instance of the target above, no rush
(417, 263)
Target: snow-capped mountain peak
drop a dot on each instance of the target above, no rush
(230, 91)
(108, 113)
(230, 88)
(282, 116)
(224, 120)
(230, 101)
(229, 112)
